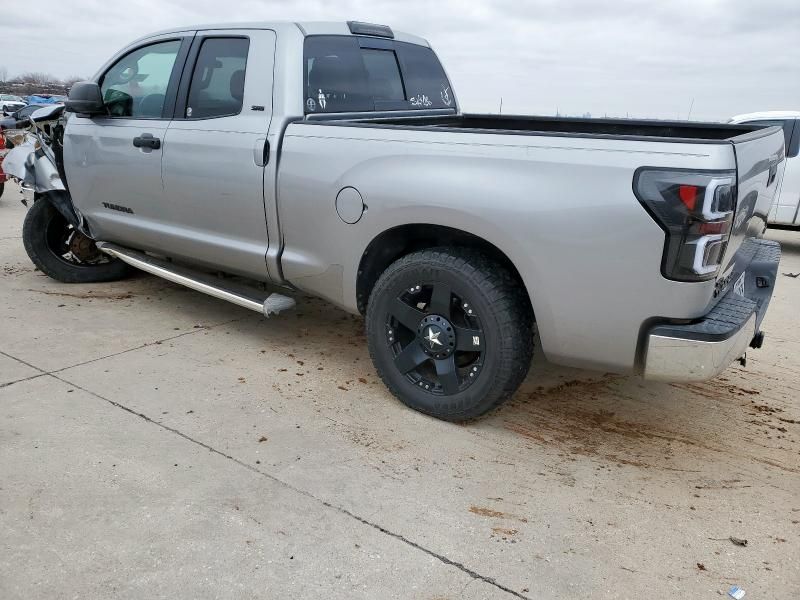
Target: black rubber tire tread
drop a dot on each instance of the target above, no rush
(2, 188)
(34, 238)
(505, 308)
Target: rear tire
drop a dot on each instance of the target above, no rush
(450, 332)
(2, 188)
(46, 235)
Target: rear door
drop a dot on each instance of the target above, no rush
(113, 163)
(215, 152)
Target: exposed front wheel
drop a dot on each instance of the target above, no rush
(450, 332)
(64, 253)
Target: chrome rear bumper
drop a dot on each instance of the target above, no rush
(683, 359)
(704, 348)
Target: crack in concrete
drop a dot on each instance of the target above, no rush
(8, 383)
(27, 364)
(113, 354)
(440, 557)
(145, 345)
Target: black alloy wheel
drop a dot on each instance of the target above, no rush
(450, 332)
(435, 337)
(62, 252)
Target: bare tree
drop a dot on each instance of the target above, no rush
(36, 78)
(68, 82)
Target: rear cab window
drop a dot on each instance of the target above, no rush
(360, 74)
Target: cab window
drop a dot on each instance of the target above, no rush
(335, 77)
(346, 74)
(217, 87)
(383, 76)
(426, 84)
(136, 85)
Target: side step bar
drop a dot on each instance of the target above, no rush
(242, 295)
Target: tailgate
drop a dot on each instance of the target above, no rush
(758, 173)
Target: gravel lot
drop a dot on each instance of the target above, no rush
(157, 443)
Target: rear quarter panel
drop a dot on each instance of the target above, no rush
(561, 208)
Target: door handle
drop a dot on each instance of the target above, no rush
(146, 140)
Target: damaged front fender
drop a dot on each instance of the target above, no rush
(62, 202)
(41, 180)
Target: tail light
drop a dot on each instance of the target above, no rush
(695, 209)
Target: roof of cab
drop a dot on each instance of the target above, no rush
(305, 27)
(766, 115)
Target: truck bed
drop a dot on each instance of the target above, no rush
(682, 131)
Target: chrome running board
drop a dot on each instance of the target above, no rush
(236, 293)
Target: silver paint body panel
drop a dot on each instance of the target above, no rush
(561, 208)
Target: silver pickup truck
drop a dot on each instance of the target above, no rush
(333, 159)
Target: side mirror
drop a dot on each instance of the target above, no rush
(86, 98)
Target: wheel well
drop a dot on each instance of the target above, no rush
(405, 239)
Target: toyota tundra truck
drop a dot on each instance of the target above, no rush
(333, 159)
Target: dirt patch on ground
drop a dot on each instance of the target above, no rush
(628, 422)
(14, 270)
(495, 514)
(88, 295)
(504, 531)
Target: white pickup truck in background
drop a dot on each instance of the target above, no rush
(786, 209)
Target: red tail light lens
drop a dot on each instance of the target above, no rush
(695, 210)
(688, 195)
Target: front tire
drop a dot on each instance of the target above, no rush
(64, 253)
(450, 332)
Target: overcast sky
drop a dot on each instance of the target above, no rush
(642, 58)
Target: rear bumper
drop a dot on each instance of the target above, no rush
(703, 349)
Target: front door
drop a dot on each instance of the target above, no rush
(215, 151)
(113, 162)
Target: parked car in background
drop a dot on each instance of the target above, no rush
(3, 176)
(8, 122)
(786, 208)
(10, 103)
(46, 99)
